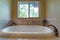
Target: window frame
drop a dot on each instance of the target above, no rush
(14, 7)
(29, 9)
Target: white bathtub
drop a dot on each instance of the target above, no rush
(28, 31)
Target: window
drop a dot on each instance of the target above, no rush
(28, 9)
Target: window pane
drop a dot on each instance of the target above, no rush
(23, 10)
(34, 9)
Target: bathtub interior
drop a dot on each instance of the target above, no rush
(27, 29)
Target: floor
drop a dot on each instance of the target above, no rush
(29, 39)
(32, 39)
(13, 38)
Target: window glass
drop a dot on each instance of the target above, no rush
(28, 9)
(34, 10)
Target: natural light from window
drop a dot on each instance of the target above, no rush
(28, 9)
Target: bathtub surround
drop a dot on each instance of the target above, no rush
(27, 31)
(4, 13)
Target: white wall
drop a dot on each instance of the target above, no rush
(4, 12)
(53, 12)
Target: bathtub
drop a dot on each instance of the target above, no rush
(28, 31)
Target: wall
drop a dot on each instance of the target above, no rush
(25, 20)
(15, 7)
(53, 12)
(4, 12)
